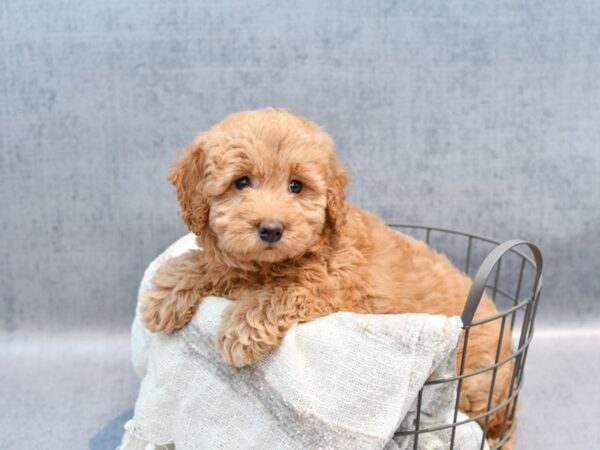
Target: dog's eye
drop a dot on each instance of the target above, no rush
(242, 183)
(295, 186)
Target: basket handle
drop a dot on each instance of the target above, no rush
(485, 269)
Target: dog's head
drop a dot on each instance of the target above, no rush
(261, 186)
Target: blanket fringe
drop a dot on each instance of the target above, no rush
(133, 440)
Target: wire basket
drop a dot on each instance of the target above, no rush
(513, 280)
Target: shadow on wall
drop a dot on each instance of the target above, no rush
(110, 436)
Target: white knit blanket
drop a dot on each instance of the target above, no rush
(345, 381)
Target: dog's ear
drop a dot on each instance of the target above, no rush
(187, 176)
(336, 184)
(335, 194)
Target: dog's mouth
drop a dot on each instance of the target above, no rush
(270, 246)
(273, 251)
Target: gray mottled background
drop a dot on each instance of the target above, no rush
(476, 115)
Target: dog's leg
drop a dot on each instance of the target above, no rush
(252, 327)
(475, 393)
(179, 286)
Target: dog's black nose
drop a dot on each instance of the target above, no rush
(270, 230)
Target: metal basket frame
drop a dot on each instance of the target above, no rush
(527, 307)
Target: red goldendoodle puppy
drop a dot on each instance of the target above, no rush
(264, 194)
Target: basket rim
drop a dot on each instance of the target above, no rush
(461, 233)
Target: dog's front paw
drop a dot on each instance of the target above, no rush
(164, 310)
(238, 342)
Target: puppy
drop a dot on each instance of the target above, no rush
(264, 194)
